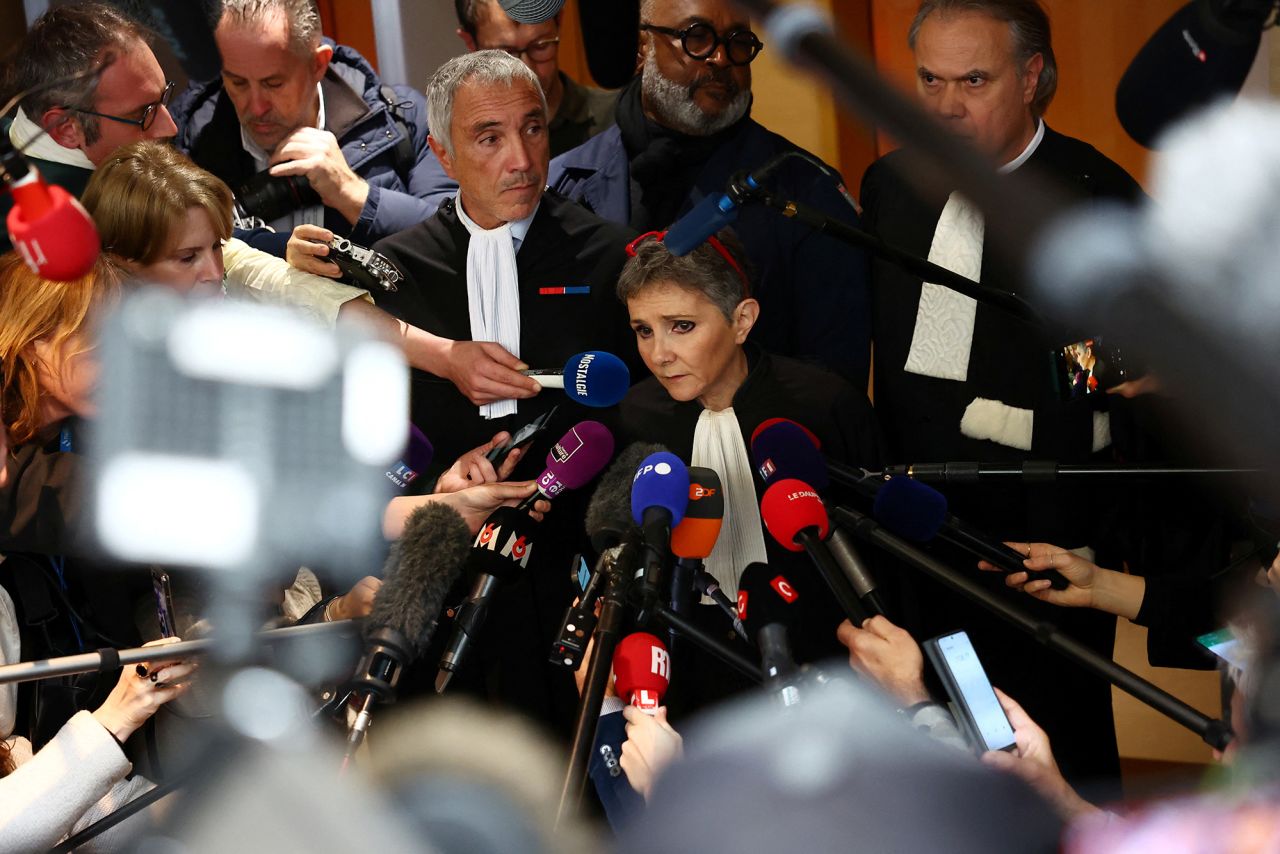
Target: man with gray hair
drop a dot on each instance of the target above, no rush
(960, 380)
(684, 128)
(291, 101)
(507, 261)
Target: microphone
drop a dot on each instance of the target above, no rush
(422, 566)
(659, 497)
(781, 448)
(916, 511)
(501, 549)
(1204, 51)
(642, 671)
(693, 539)
(795, 516)
(418, 454)
(767, 608)
(574, 461)
(50, 229)
(608, 517)
(593, 378)
(715, 212)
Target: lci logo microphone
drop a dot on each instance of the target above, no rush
(784, 589)
(401, 475)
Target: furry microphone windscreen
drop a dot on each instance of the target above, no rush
(423, 565)
(609, 511)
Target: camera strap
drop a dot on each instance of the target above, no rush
(404, 154)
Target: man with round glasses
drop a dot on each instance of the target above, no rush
(683, 130)
(577, 112)
(74, 119)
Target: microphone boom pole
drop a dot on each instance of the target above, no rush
(1216, 733)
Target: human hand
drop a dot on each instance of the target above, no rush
(306, 249)
(315, 153)
(356, 602)
(475, 503)
(651, 745)
(1033, 761)
(484, 372)
(1083, 575)
(136, 698)
(1145, 384)
(889, 655)
(472, 468)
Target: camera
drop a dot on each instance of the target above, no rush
(268, 197)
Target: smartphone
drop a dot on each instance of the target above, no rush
(164, 602)
(1088, 366)
(526, 434)
(1225, 645)
(978, 710)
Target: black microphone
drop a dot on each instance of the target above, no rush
(422, 566)
(768, 611)
(715, 212)
(856, 571)
(1203, 52)
(501, 549)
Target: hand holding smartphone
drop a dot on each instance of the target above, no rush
(978, 710)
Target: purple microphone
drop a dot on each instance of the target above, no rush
(574, 461)
(414, 461)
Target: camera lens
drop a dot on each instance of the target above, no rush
(270, 197)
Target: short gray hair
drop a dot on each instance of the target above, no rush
(704, 271)
(485, 67)
(305, 28)
(1028, 27)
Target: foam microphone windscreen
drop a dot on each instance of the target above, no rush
(642, 670)
(609, 511)
(577, 458)
(661, 480)
(596, 378)
(424, 563)
(766, 596)
(696, 535)
(1200, 54)
(786, 450)
(910, 509)
(531, 11)
(51, 229)
(790, 506)
(504, 544)
(769, 422)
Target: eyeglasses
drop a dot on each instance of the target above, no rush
(539, 51)
(148, 117)
(723, 251)
(700, 41)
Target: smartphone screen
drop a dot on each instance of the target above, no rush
(971, 681)
(1225, 645)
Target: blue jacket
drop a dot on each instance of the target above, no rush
(621, 802)
(814, 291)
(370, 137)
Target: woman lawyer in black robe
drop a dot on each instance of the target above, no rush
(710, 389)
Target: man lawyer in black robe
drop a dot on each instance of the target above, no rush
(507, 262)
(959, 380)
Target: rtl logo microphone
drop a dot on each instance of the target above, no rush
(646, 700)
(660, 664)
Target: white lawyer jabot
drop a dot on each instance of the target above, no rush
(719, 446)
(493, 293)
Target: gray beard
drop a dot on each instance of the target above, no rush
(675, 107)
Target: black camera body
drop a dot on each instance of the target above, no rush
(268, 197)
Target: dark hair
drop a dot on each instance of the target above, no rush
(63, 42)
(468, 12)
(1028, 27)
(703, 270)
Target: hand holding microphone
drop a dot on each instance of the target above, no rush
(652, 744)
(642, 671)
(888, 655)
(593, 378)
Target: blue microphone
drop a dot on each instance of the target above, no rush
(715, 212)
(785, 449)
(659, 497)
(593, 378)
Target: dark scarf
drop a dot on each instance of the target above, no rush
(665, 163)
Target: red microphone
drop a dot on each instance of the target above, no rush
(50, 229)
(642, 671)
(795, 516)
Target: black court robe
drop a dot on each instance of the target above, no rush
(775, 387)
(565, 246)
(921, 417)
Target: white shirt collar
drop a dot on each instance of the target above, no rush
(260, 156)
(519, 227)
(29, 138)
(1026, 152)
